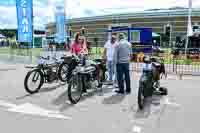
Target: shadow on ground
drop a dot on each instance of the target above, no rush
(63, 100)
(42, 90)
(7, 69)
(148, 107)
(114, 99)
(65, 103)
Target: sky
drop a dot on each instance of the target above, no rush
(44, 9)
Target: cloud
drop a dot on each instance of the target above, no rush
(44, 9)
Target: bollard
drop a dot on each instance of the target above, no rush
(181, 76)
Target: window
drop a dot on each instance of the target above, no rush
(135, 36)
(167, 32)
(119, 26)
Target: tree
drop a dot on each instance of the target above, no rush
(9, 33)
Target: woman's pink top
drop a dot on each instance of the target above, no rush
(78, 48)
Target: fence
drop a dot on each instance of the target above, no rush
(177, 63)
(174, 68)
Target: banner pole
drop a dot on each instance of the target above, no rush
(189, 27)
(32, 40)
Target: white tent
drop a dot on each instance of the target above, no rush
(2, 36)
(155, 34)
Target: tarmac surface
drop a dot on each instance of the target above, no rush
(50, 110)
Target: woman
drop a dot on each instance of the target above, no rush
(79, 46)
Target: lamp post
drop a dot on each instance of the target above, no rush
(70, 32)
(70, 36)
(83, 30)
(96, 43)
(168, 33)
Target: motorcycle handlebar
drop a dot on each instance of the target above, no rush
(44, 57)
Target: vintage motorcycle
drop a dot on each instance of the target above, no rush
(149, 81)
(44, 73)
(89, 75)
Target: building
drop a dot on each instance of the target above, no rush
(158, 20)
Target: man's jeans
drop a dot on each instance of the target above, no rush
(123, 71)
(112, 71)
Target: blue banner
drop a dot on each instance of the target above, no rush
(60, 26)
(24, 20)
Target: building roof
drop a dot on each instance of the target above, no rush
(144, 14)
(153, 13)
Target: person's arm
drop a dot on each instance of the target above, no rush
(130, 49)
(72, 49)
(105, 51)
(115, 56)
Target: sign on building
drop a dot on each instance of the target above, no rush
(24, 20)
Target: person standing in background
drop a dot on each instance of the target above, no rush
(121, 58)
(108, 54)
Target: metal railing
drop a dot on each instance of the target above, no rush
(177, 64)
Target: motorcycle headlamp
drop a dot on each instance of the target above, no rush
(147, 59)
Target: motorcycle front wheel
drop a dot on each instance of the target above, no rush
(141, 97)
(33, 81)
(75, 89)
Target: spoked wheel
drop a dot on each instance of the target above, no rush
(141, 98)
(63, 72)
(33, 81)
(75, 89)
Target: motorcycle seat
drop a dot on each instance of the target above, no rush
(156, 64)
(89, 68)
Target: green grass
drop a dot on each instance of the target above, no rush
(21, 52)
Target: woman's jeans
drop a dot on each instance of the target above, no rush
(112, 71)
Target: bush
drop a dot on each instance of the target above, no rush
(188, 62)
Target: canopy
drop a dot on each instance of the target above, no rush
(155, 34)
(2, 36)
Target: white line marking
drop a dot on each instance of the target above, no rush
(137, 122)
(7, 104)
(167, 102)
(31, 109)
(136, 129)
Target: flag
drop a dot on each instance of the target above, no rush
(24, 20)
(60, 24)
(189, 27)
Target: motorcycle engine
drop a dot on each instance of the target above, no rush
(51, 75)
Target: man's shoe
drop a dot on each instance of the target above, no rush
(128, 92)
(119, 92)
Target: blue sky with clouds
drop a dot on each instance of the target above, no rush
(44, 9)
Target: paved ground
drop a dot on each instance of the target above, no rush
(96, 113)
